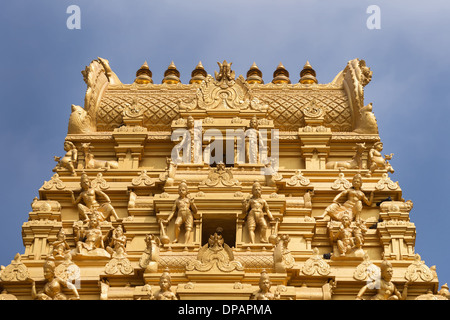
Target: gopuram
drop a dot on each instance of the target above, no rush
(223, 188)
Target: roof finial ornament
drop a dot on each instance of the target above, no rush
(143, 75)
(308, 74)
(198, 74)
(281, 75)
(171, 75)
(225, 73)
(254, 75)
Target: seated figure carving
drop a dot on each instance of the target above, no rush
(377, 161)
(353, 205)
(88, 195)
(386, 289)
(53, 287)
(69, 161)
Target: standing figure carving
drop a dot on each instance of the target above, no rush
(255, 145)
(89, 195)
(184, 208)
(255, 209)
(353, 205)
(69, 161)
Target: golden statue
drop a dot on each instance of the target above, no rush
(165, 292)
(386, 289)
(255, 208)
(89, 195)
(60, 245)
(354, 203)
(53, 287)
(69, 161)
(376, 160)
(184, 208)
(264, 292)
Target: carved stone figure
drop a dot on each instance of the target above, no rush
(255, 209)
(91, 163)
(215, 256)
(184, 207)
(53, 287)
(377, 161)
(89, 195)
(367, 121)
(69, 161)
(350, 236)
(60, 245)
(355, 163)
(386, 289)
(89, 238)
(79, 121)
(225, 73)
(264, 292)
(165, 291)
(150, 257)
(354, 203)
(191, 144)
(255, 144)
(117, 243)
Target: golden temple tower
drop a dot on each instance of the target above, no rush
(223, 188)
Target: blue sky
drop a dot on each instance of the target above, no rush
(41, 62)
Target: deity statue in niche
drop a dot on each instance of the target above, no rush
(377, 161)
(165, 291)
(353, 205)
(264, 292)
(89, 195)
(255, 209)
(255, 148)
(386, 290)
(54, 285)
(191, 144)
(69, 161)
(184, 208)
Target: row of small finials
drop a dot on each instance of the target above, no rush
(254, 75)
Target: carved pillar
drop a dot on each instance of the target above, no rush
(397, 234)
(41, 229)
(130, 138)
(314, 137)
